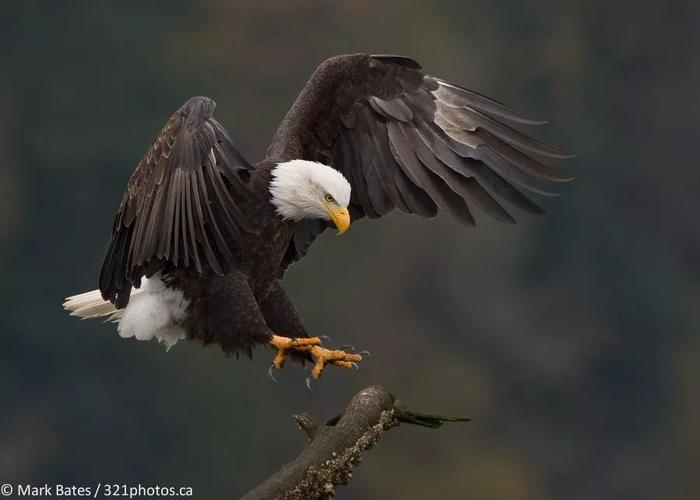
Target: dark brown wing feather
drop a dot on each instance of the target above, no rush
(180, 204)
(411, 141)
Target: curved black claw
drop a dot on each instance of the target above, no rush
(364, 353)
(325, 338)
(355, 365)
(348, 347)
(270, 371)
(308, 382)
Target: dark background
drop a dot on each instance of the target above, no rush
(571, 340)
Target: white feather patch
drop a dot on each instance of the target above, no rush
(154, 311)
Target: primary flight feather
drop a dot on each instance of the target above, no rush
(202, 237)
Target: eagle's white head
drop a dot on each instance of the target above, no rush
(304, 189)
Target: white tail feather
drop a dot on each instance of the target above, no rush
(90, 305)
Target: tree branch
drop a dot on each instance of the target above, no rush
(335, 448)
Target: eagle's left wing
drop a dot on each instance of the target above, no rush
(407, 140)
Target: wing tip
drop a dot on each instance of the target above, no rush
(563, 178)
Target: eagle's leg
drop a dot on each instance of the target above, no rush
(320, 355)
(281, 316)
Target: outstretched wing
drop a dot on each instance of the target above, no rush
(414, 142)
(180, 204)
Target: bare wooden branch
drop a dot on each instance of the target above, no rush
(335, 448)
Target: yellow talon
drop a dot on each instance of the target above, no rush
(284, 344)
(320, 354)
(323, 356)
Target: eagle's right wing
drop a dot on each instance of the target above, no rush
(180, 204)
(410, 141)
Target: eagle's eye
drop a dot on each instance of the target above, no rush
(329, 198)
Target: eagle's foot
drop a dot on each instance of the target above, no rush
(284, 344)
(323, 357)
(318, 353)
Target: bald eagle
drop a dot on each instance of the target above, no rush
(202, 237)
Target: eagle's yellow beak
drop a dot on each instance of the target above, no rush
(340, 217)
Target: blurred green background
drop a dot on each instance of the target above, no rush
(571, 340)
